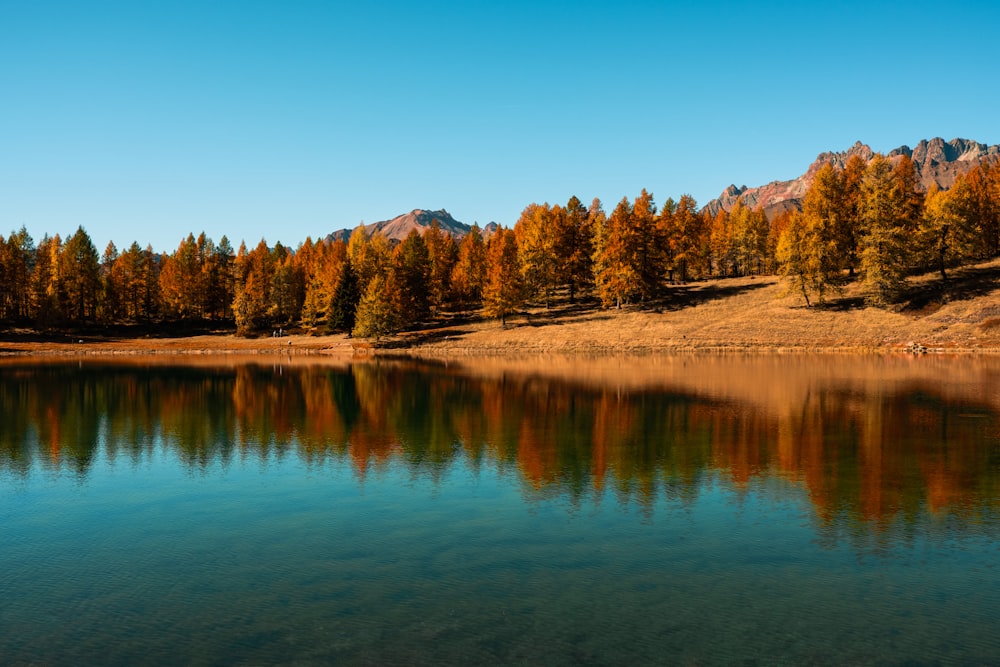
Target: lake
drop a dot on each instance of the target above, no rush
(654, 510)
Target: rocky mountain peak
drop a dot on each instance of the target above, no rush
(936, 161)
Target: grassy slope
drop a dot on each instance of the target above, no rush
(747, 313)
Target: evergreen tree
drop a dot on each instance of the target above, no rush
(410, 275)
(344, 302)
(376, 315)
(79, 277)
(17, 258)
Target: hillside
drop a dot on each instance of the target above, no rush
(936, 161)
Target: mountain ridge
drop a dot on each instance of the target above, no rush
(398, 228)
(937, 162)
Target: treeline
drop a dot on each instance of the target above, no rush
(868, 221)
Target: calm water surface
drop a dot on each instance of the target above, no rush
(832, 510)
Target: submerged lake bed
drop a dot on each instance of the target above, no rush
(689, 509)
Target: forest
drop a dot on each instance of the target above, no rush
(869, 221)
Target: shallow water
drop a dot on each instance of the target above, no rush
(831, 510)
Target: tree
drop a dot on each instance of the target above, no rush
(795, 261)
(46, 304)
(647, 256)
(469, 274)
(79, 277)
(286, 289)
(254, 273)
(376, 315)
(688, 238)
(888, 227)
(850, 230)
(975, 198)
(442, 253)
(503, 292)
(615, 273)
(112, 287)
(17, 257)
(824, 211)
(574, 247)
(370, 256)
(410, 275)
(945, 236)
(183, 287)
(536, 251)
(344, 301)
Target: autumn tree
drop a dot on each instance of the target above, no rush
(469, 274)
(888, 231)
(442, 255)
(111, 302)
(370, 255)
(46, 304)
(615, 272)
(975, 199)
(849, 233)
(796, 261)
(536, 251)
(574, 247)
(647, 256)
(945, 237)
(721, 244)
(687, 234)
(254, 272)
(824, 212)
(182, 280)
(503, 291)
(287, 290)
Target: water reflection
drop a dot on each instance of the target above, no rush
(876, 443)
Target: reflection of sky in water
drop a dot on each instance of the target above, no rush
(278, 550)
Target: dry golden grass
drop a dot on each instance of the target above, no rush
(744, 314)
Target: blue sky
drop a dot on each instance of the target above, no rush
(143, 121)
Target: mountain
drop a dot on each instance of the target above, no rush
(936, 161)
(400, 227)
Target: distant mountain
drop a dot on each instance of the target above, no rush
(936, 161)
(400, 227)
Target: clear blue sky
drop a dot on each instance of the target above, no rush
(143, 120)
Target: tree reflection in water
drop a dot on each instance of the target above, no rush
(873, 448)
